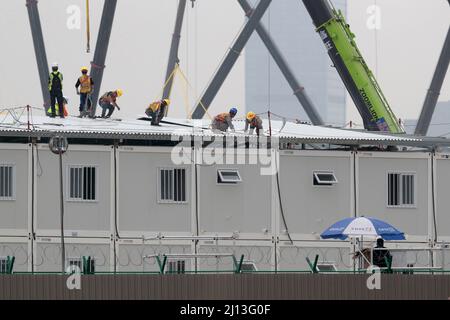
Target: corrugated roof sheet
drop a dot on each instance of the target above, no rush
(134, 128)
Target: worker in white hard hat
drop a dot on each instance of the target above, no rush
(55, 86)
(156, 110)
(84, 87)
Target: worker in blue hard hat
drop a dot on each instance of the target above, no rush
(223, 121)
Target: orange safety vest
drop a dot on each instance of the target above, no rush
(221, 117)
(85, 84)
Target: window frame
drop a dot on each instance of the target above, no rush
(13, 182)
(327, 264)
(68, 183)
(158, 187)
(73, 259)
(320, 184)
(219, 177)
(400, 191)
(3, 264)
(81, 262)
(249, 263)
(176, 263)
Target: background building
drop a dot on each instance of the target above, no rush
(291, 27)
(440, 123)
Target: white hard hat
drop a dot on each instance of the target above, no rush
(55, 64)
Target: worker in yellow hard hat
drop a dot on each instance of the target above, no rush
(108, 102)
(253, 121)
(86, 85)
(156, 110)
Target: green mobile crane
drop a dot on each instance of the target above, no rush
(353, 70)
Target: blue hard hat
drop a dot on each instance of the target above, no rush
(233, 110)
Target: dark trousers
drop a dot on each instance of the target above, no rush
(161, 114)
(85, 103)
(57, 96)
(107, 107)
(152, 115)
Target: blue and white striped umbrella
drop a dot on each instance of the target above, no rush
(362, 226)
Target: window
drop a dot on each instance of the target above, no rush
(228, 176)
(326, 267)
(74, 265)
(3, 264)
(6, 182)
(401, 190)
(82, 183)
(176, 266)
(324, 178)
(248, 266)
(172, 185)
(86, 264)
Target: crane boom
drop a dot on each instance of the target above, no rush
(353, 70)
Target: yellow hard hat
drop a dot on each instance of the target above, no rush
(84, 69)
(251, 115)
(119, 92)
(167, 101)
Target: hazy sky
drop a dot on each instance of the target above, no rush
(403, 52)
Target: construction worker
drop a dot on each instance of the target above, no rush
(223, 121)
(87, 87)
(155, 108)
(65, 101)
(55, 85)
(380, 254)
(108, 102)
(162, 111)
(253, 121)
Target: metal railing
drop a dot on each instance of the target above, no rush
(214, 259)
